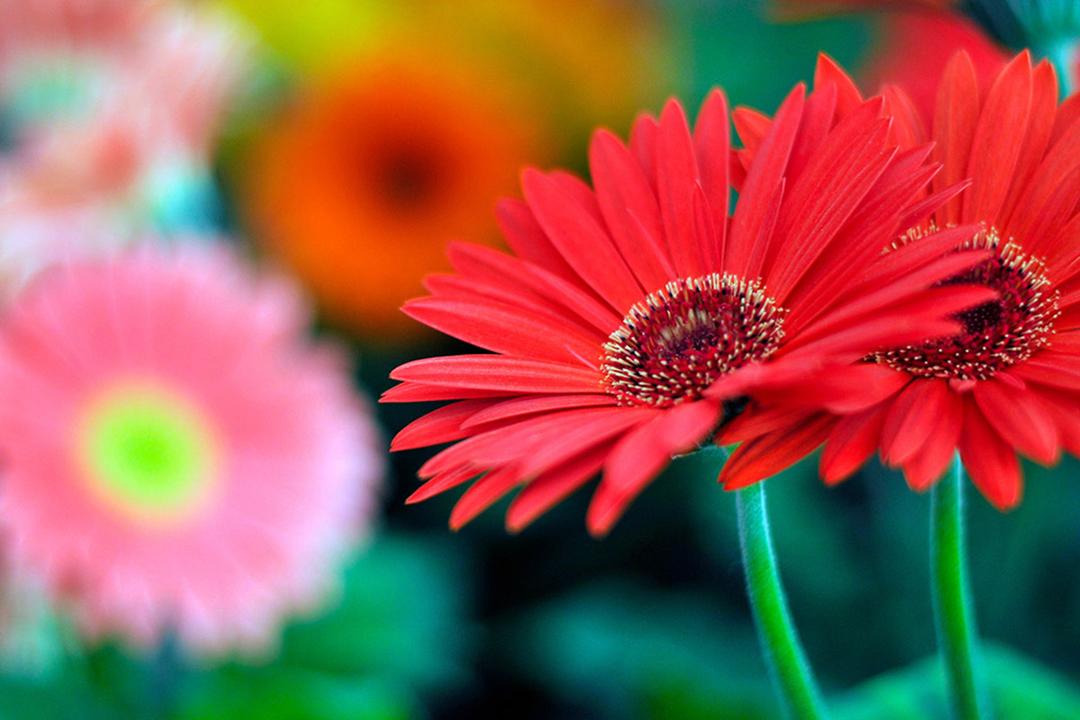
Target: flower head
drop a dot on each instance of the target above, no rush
(359, 187)
(175, 456)
(634, 319)
(1006, 383)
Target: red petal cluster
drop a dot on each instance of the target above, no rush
(1009, 383)
(618, 268)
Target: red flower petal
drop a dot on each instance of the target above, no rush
(859, 242)
(989, 460)
(525, 236)
(912, 419)
(908, 127)
(499, 373)
(641, 454)
(1046, 219)
(412, 392)
(712, 139)
(998, 139)
(758, 191)
(519, 442)
(553, 487)
(905, 260)
(439, 426)
(643, 145)
(927, 466)
(766, 456)
(1020, 418)
(752, 126)
(754, 422)
(853, 439)
(841, 389)
(1048, 368)
(530, 405)
(627, 200)
(535, 286)
(506, 329)
(874, 303)
(848, 96)
(584, 245)
(677, 179)
(836, 180)
(1068, 114)
(1044, 100)
(957, 112)
(1062, 408)
(547, 450)
(484, 493)
(818, 116)
(442, 483)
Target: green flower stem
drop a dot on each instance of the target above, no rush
(953, 614)
(791, 673)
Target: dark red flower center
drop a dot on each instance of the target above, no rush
(683, 337)
(996, 334)
(407, 176)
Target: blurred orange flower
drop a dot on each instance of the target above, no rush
(413, 118)
(579, 63)
(576, 63)
(360, 184)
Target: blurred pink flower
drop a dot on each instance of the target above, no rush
(161, 71)
(106, 96)
(30, 641)
(176, 456)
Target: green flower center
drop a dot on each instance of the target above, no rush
(148, 453)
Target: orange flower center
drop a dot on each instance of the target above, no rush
(405, 177)
(996, 334)
(677, 342)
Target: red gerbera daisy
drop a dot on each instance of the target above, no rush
(1010, 381)
(633, 318)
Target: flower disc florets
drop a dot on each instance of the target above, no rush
(683, 337)
(996, 334)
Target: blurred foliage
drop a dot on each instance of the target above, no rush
(636, 652)
(854, 562)
(731, 44)
(1019, 688)
(396, 638)
(297, 695)
(854, 559)
(402, 615)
